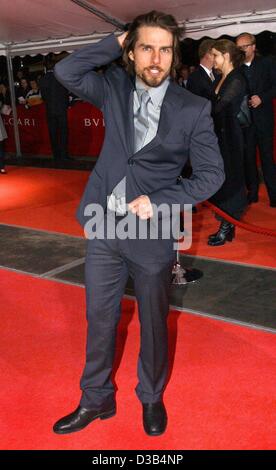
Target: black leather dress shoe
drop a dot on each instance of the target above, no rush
(272, 203)
(154, 418)
(81, 417)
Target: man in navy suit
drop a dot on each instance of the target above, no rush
(152, 127)
(260, 74)
(56, 98)
(202, 81)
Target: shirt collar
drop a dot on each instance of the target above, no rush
(206, 70)
(157, 94)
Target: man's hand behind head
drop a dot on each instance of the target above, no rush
(121, 39)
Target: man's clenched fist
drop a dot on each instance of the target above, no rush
(141, 206)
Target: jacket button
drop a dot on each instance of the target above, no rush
(131, 161)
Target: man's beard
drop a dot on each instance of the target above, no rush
(152, 81)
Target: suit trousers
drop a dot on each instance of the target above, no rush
(108, 265)
(58, 132)
(264, 139)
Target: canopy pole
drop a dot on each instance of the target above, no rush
(13, 104)
(109, 19)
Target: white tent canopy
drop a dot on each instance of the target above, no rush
(39, 26)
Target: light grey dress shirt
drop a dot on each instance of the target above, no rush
(117, 200)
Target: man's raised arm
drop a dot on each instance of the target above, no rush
(77, 71)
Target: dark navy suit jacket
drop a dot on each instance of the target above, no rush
(185, 131)
(200, 84)
(56, 97)
(261, 80)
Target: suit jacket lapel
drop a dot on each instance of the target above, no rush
(123, 103)
(205, 75)
(254, 73)
(130, 124)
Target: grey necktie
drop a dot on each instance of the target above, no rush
(142, 122)
(212, 76)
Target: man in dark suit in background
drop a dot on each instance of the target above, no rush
(56, 98)
(203, 80)
(260, 74)
(183, 75)
(152, 126)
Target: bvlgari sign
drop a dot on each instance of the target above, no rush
(85, 130)
(21, 122)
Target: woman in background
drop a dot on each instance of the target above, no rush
(230, 90)
(33, 97)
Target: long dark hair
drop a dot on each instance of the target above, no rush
(160, 20)
(237, 56)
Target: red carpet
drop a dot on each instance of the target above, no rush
(47, 199)
(221, 394)
(42, 198)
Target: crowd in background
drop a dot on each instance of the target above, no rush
(240, 86)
